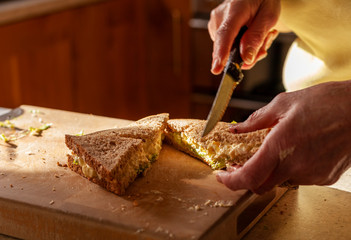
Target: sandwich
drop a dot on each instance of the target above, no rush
(220, 148)
(114, 158)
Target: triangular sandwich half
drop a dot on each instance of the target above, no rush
(219, 148)
(113, 158)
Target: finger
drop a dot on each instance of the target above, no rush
(263, 50)
(262, 118)
(254, 172)
(257, 32)
(216, 18)
(267, 116)
(234, 19)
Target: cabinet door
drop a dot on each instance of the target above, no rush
(166, 56)
(110, 76)
(36, 63)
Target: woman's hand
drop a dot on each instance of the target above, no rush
(310, 142)
(260, 16)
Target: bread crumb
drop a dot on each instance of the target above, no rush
(140, 230)
(159, 199)
(195, 208)
(219, 203)
(123, 207)
(11, 185)
(53, 189)
(155, 192)
(29, 153)
(57, 176)
(51, 202)
(135, 203)
(159, 229)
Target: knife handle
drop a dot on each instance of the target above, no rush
(235, 61)
(234, 56)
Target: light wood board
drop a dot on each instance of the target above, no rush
(176, 199)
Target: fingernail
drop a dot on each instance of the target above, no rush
(250, 55)
(233, 128)
(215, 64)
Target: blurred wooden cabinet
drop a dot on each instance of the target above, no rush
(121, 58)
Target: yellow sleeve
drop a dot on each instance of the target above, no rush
(322, 51)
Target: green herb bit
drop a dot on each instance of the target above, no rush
(4, 138)
(34, 111)
(38, 131)
(7, 124)
(81, 133)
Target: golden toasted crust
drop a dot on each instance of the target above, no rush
(221, 135)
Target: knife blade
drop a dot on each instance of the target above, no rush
(8, 114)
(232, 76)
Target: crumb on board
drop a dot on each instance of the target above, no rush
(61, 165)
(140, 230)
(123, 207)
(159, 199)
(155, 192)
(219, 203)
(51, 202)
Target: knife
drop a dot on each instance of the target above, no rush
(232, 76)
(8, 114)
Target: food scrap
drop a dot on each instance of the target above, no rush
(61, 165)
(38, 131)
(33, 131)
(81, 133)
(7, 124)
(219, 203)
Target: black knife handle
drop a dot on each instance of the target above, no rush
(235, 61)
(234, 55)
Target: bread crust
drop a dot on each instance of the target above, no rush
(221, 134)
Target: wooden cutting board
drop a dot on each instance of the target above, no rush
(179, 198)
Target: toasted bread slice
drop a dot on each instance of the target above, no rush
(109, 160)
(113, 158)
(151, 130)
(219, 148)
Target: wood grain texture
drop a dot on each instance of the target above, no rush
(176, 199)
(122, 58)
